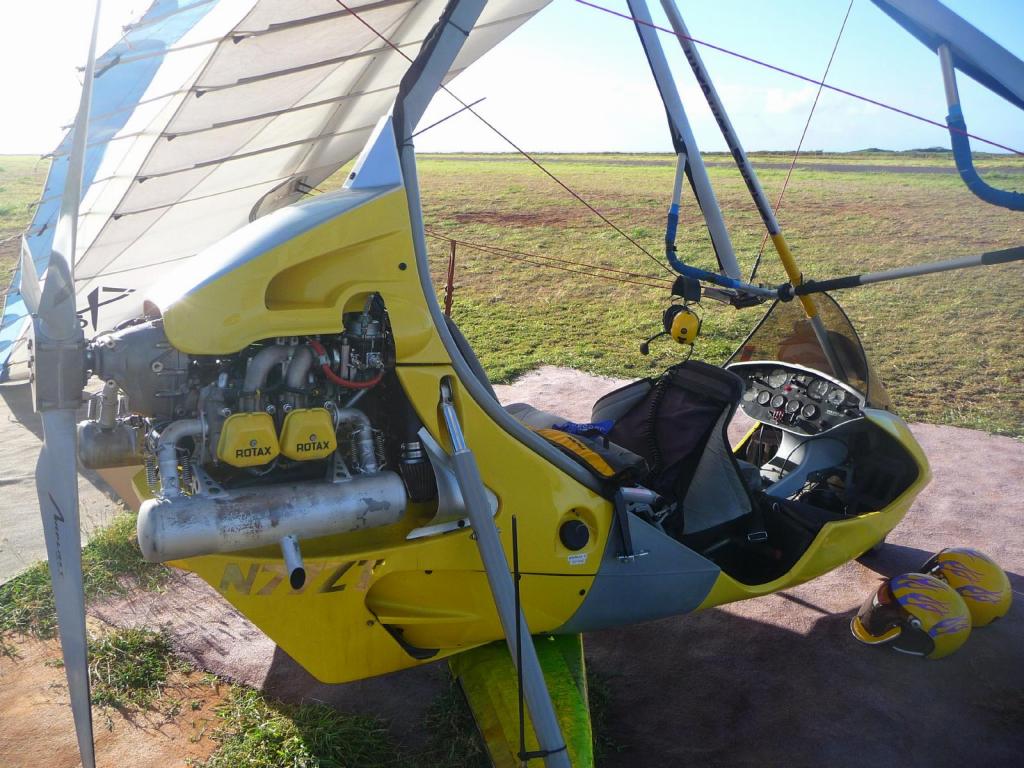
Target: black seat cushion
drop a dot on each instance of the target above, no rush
(671, 424)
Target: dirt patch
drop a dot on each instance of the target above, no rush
(206, 631)
(563, 391)
(10, 252)
(38, 729)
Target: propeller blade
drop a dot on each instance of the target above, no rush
(59, 376)
(30, 288)
(57, 486)
(57, 303)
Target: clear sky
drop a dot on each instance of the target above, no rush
(575, 79)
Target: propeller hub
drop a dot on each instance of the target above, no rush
(58, 369)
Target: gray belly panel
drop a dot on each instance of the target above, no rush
(669, 580)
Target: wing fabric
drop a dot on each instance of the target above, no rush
(210, 113)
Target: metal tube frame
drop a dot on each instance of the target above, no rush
(749, 176)
(503, 588)
(683, 138)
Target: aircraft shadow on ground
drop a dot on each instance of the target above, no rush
(894, 559)
(400, 698)
(723, 689)
(726, 689)
(19, 399)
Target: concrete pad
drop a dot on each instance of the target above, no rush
(21, 529)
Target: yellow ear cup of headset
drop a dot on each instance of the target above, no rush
(681, 323)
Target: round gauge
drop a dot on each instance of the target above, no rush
(777, 378)
(778, 401)
(836, 397)
(792, 406)
(818, 388)
(750, 394)
(809, 411)
(763, 397)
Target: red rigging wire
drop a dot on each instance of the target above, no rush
(798, 76)
(803, 135)
(516, 147)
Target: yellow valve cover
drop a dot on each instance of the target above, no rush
(308, 434)
(248, 440)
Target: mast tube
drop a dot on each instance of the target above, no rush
(749, 175)
(747, 171)
(683, 139)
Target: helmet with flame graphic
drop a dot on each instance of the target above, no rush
(982, 584)
(914, 613)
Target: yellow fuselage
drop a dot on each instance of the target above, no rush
(374, 601)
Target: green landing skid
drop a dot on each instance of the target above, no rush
(488, 678)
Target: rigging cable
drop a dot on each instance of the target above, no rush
(800, 144)
(798, 76)
(530, 258)
(516, 147)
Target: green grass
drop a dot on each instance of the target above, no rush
(259, 733)
(945, 345)
(128, 668)
(256, 733)
(111, 562)
(21, 179)
(452, 735)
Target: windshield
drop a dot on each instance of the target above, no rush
(785, 334)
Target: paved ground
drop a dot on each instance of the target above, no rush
(21, 530)
(773, 681)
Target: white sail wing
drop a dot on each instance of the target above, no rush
(210, 113)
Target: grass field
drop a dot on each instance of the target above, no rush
(946, 346)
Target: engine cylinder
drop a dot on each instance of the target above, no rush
(187, 526)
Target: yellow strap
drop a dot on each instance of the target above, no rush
(578, 447)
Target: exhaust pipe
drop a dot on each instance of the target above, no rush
(176, 527)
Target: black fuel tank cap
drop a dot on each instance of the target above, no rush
(574, 535)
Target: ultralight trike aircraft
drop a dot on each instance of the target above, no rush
(319, 442)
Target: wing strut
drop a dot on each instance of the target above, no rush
(961, 46)
(513, 622)
(684, 141)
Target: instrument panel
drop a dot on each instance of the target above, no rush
(796, 399)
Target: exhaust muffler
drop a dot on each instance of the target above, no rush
(176, 527)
